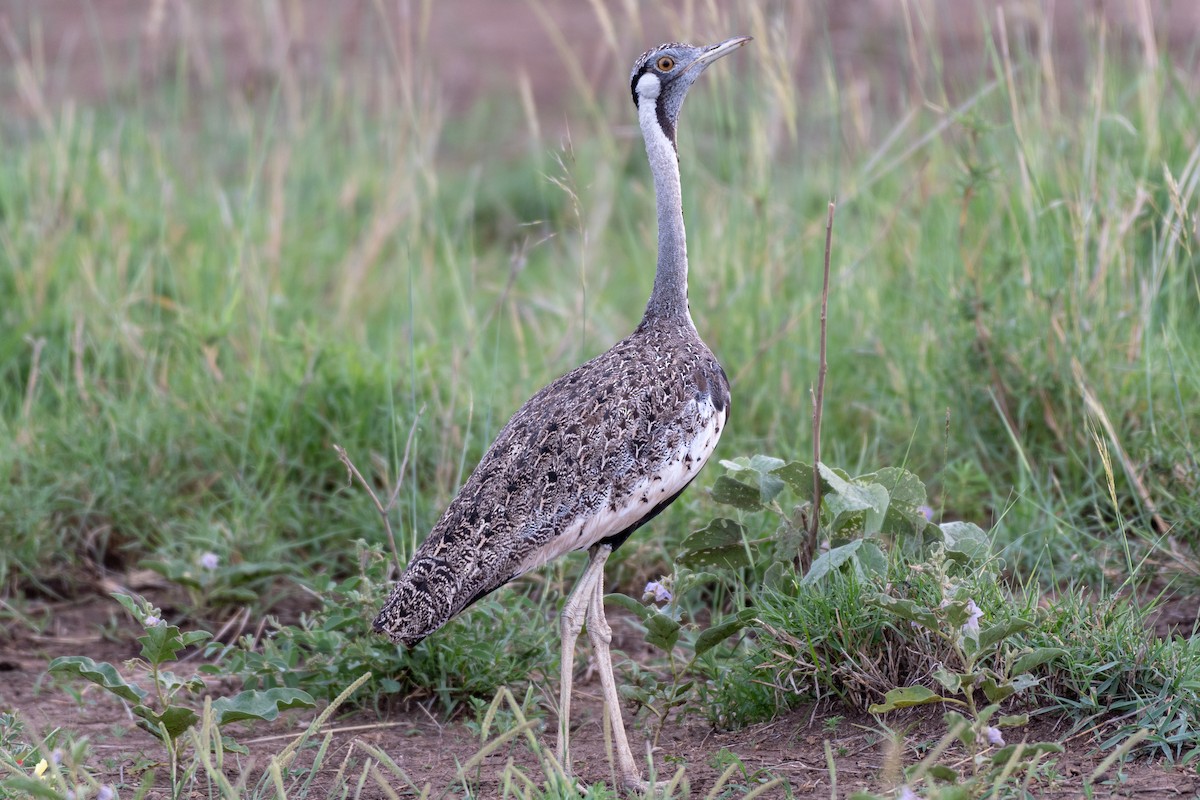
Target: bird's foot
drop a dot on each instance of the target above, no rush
(634, 784)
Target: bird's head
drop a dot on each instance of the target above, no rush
(663, 75)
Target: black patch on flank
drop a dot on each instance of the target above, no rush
(721, 395)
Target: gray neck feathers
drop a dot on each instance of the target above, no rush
(669, 298)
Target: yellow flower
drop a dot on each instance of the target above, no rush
(40, 769)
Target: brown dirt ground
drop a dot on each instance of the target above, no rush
(430, 748)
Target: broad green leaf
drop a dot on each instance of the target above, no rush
(130, 604)
(829, 561)
(765, 464)
(871, 560)
(175, 719)
(101, 674)
(731, 492)
(835, 479)
(905, 609)
(904, 520)
(1001, 631)
(759, 469)
(232, 746)
(731, 557)
(966, 731)
(871, 499)
(160, 643)
(1035, 658)
(902, 485)
(718, 533)
(172, 683)
(1028, 751)
(951, 681)
(967, 540)
(909, 696)
(943, 773)
(799, 476)
(721, 543)
(1012, 721)
(997, 692)
(194, 637)
(661, 631)
(713, 636)
(261, 705)
(1022, 682)
(956, 613)
(640, 610)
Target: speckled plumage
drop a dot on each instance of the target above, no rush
(624, 432)
(600, 451)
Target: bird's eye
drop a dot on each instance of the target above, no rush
(665, 63)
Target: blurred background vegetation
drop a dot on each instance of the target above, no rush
(232, 239)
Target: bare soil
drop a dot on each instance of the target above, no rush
(430, 748)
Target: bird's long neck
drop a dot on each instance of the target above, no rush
(669, 297)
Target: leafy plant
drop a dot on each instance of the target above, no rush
(333, 645)
(170, 706)
(859, 518)
(210, 583)
(985, 670)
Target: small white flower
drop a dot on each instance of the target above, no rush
(660, 593)
(106, 793)
(209, 561)
(907, 794)
(152, 621)
(971, 626)
(994, 736)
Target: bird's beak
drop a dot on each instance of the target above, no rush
(713, 52)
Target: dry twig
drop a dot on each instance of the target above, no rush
(818, 402)
(384, 510)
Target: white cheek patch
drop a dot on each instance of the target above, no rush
(648, 86)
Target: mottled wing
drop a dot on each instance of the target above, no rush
(587, 459)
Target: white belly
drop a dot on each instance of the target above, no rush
(614, 515)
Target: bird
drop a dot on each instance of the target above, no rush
(597, 453)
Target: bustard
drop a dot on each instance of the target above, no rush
(596, 454)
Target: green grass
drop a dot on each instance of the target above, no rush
(206, 297)
(206, 291)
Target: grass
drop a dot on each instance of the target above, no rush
(210, 288)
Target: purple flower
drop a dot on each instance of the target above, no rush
(209, 561)
(994, 736)
(106, 793)
(927, 512)
(907, 794)
(152, 621)
(657, 591)
(971, 626)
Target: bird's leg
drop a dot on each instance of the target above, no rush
(575, 610)
(600, 635)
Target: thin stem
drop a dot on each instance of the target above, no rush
(819, 400)
(383, 510)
